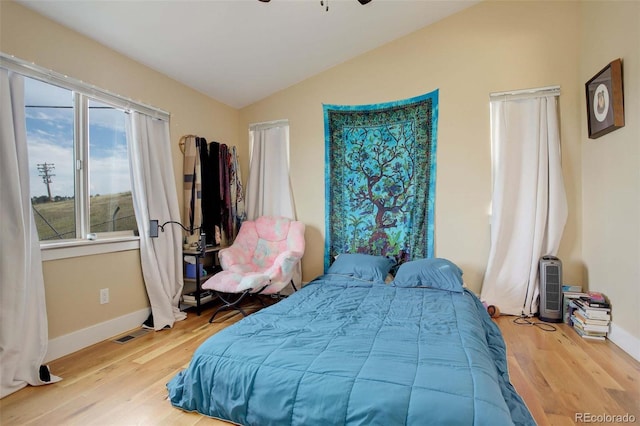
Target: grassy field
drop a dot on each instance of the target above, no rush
(56, 220)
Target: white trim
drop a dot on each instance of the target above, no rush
(32, 70)
(625, 340)
(80, 339)
(78, 248)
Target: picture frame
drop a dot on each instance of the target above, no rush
(605, 100)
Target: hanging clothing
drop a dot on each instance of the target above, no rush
(192, 184)
(238, 212)
(214, 196)
(208, 224)
(225, 192)
(214, 193)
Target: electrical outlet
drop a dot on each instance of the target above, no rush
(104, 296)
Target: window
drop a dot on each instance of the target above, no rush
(78, 164)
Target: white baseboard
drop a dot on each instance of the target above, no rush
(80, 339)
(72, 342)
(625, 340)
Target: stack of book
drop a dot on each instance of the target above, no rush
(569, 293)
(591, 315)
(190, 298)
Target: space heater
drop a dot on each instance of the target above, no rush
(550, 289)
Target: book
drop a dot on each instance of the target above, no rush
(191, 297)
(595, 299)
(589, 333)
(193, 302)
(590, 336)
(573, 308)
(596, 296)
(582, 303)
(586, 331)
(597, 316)
(596, 328)
(586, 320)
(592, 311)
(594, 315)
(572, 288)
(578, 327)
(590, 315)
(589, 304)
(567, 297)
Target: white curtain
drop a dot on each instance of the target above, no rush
(529, 206)
(268, 187)
(155, 197)
(23, 315)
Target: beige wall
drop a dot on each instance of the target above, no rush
(491, 47)
(611, 165)
(72, 285)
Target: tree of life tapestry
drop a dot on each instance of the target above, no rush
(380, 170)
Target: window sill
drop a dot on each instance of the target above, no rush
(78, 248)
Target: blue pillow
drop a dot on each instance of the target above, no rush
(435, 273)
(362, 266)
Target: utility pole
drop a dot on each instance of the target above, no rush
(45, 172)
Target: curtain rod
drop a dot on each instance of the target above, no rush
(534, 91)
(268, 124)
(32, 70)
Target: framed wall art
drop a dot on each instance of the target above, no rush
(605, 100)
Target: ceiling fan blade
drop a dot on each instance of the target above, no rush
(363, 2)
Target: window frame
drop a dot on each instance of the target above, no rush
(82, 92)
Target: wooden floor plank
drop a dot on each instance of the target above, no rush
(569, 375)
(526, 389)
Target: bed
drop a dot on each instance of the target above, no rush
(350, 348)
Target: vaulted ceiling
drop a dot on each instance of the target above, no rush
(241, 51)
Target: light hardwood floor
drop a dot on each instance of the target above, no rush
(558, 374)
(564, 378)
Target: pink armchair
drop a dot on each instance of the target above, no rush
(261, 260)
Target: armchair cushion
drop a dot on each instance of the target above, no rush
(267, 247)
(283, 266)
(261, 260)
(233, 282)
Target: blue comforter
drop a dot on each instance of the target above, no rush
(341, 351)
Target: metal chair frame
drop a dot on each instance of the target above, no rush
(234, 304)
